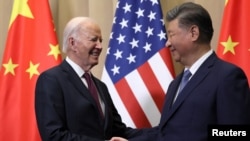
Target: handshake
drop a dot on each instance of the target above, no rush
(117, 139)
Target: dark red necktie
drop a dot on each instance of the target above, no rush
(93, 91)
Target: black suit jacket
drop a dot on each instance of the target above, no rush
(66, 111)
(218, 93)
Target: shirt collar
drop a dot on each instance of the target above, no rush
(199, 62)
(79, 71)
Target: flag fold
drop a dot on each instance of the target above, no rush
(31, 47)
(138, 66)
(233, 45)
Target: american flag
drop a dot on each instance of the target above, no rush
(138, 66)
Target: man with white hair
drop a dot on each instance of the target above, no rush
(71, 104)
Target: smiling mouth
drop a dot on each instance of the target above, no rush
(94, 53)
(172, 49)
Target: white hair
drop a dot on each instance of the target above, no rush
(72, 30)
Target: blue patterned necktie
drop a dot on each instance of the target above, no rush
(184, 79)
(183, 83)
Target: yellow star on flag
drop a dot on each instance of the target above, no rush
(226, 1)
(54, 50)
(9, 67)
(33, 69)
(20, 7)
(229, 45)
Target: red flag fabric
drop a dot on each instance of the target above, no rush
(233, 45)
(31, 47)
(138, 67)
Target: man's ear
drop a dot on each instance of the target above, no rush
(72, 43)
(195, 32)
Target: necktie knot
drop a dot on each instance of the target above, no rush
(86, 74)
(88, 79)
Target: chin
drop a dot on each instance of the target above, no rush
(176, 58)
(94, 63)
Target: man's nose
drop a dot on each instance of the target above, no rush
(168, 44)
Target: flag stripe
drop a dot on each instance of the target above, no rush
(166, 57)
(161, 70)
(155, 65)
(126, 118)
(152, 84)
(132, 104)
(143, 96)
(136, 66)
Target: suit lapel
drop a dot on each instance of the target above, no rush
(76, 81)
(104, 98)
(197, 78)
(172, 90)
(169, 99)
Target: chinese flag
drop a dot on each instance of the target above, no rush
(233, 45)
(31, 47)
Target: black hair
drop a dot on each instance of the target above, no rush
(190, 14)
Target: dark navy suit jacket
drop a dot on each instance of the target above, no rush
(218, 93)
(66, 111)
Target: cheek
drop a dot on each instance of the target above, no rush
(83, 49)
(82, 53)
(181, 43)
(180, 48)
(176, 56)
